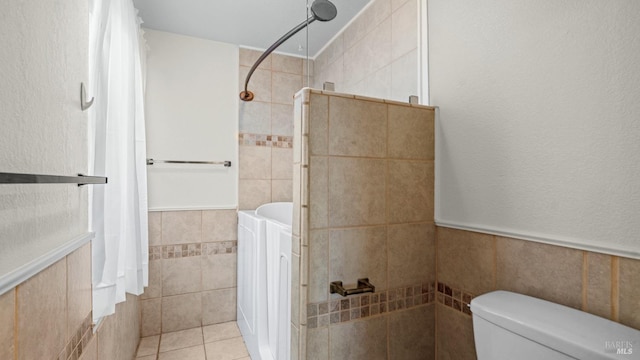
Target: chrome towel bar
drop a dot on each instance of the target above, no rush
(14, 178)
(226, 163)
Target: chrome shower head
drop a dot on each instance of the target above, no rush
(323, 10)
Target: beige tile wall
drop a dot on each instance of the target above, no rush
(192, 270)
(49, 317)
(266, 128)
(352, 175)
(377, 55)
(470, 264)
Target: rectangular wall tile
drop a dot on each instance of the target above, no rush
(219, 225)
(154, 290)
(281, 190)
(181, 275)
(181, 227)
(533, 269)
(181, 312)
(318, 344)
(282, 119)
(629, 292)
(78, 288)
(319, 265)
(410, 189)
(107, 338)
(255, 162)
(253, 193)
(598, 300)
(359, 253)
(357, 128)
(358, 64)
(287, 64)
(356, 191)
(219, 271)
(282, 164)
(465, 260)
(155, 228)
(404, 29)
(318, 192)
(411, 254)
(248, 57)
(455, 335)
(318, 124)
(151, 317)
(47, 311)
(7, 324)
(260, 85)
(91, 350)
(411, 133)
(218, 306)
(412, 334)
(371, 343)
(404, 81)
(284, 87)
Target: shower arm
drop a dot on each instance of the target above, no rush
(247, 95)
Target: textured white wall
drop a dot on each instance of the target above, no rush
(539, 121)
(192, 114)
(42, 63)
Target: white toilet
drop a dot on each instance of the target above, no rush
(509, 326)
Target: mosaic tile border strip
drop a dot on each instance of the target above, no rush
(266, 140)
(362, 306)
(454, 298)
(189, 250)
(76, 345)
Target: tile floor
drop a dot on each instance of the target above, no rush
(213, 342)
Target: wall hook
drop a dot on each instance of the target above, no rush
(84, 105)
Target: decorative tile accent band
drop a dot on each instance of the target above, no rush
(76, 345)
(188, 250)
(454, 298)
(362, 306)
(266, 140)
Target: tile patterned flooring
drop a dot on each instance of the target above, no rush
(213, 342)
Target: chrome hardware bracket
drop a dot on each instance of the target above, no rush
(364, 286)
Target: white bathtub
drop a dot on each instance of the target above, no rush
(264, 280)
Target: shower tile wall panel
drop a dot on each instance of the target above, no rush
(192, 270)
(49, 317)
(376, 55)
(266, 128)
(352, 176)
(471, 264)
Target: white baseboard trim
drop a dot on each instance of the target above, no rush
(28, 270)
(540, 238)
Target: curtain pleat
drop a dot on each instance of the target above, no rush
(118, 151)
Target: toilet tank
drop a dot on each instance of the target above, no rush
(511, 326)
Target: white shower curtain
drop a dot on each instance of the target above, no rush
(117, 150)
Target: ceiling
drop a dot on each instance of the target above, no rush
(249, 23)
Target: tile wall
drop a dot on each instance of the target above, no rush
(376, 55)
(363, 207)
(192, 270)
(193, 254)
(49, 317)
(266, 128)
(471, 264)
